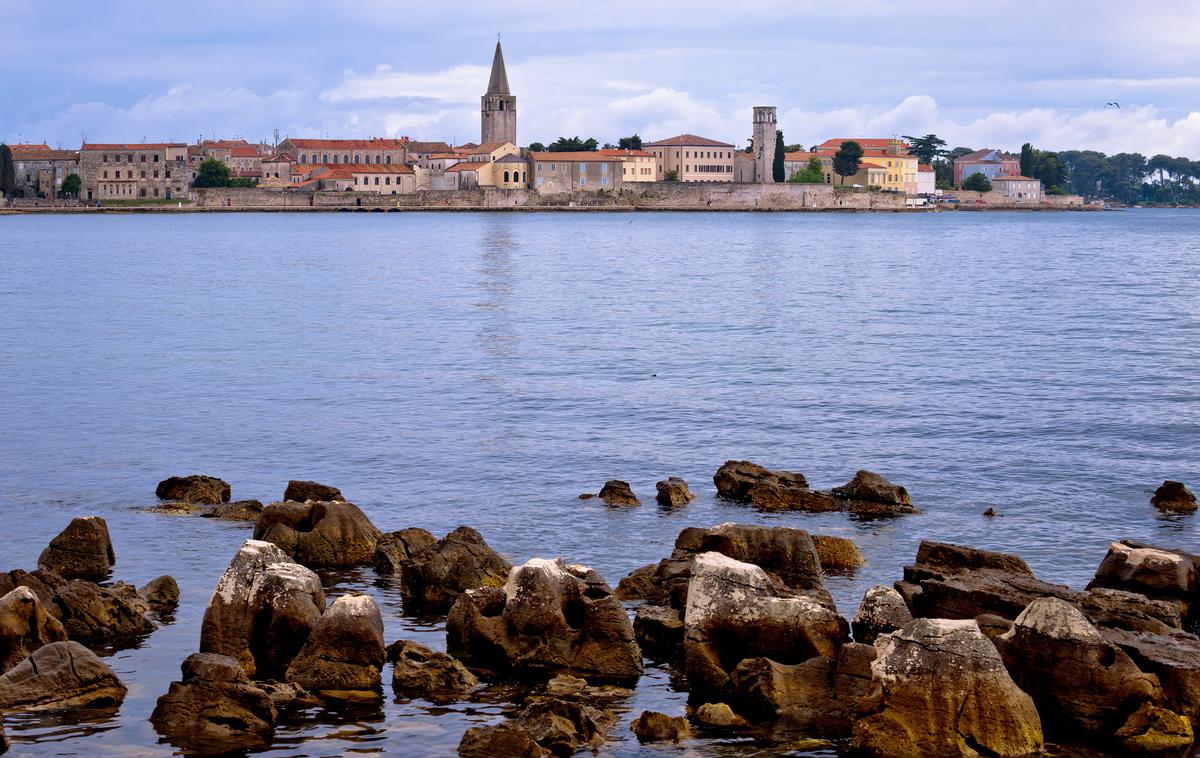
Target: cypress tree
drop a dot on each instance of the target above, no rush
(1027, 160)
(777, 165)
(8, 176)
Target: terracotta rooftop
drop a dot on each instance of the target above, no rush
(243, 151)
(487, 147)
(42, 153)
(378, 168)
(687, 140)
(428, 147)
(866, 142)
(285, 157)
(143, 146)
(924, 168)
(626, 153)
(465, 166)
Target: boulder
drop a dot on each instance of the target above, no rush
(96, 615)
(719, 716)
(1151, 730)
(1129, 610)
(871, 487)
(1156, 572)
(617, 492)
(736, 479)
(161, 594)
(673, 492)
(1174, 497)
(262, 611)
(659, 632)
(175, 508)
(303, 492)
(321, 534)
(81, 551)
(837, 553)
(432, 578)
(882, 612)
(25, 626)
(240, 510)
(565, 686)
(939, 687)
(60, 675)
(653, 726)
(194, 489)
(3, 739)
(1173, 657)
(550, 618)
(345, 651)
(639, 584)
(215, 709)
(499, 740)
(768, 496)
(564, 726)
(395, 548)
(421, 672)
(43, 583)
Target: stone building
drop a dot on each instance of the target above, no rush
(396, 179)
(1018, 189)
(379, 151)
(40, 169)
(498, 108)
(574, 172)
(693, 159)
(765, 126)
(134, 171)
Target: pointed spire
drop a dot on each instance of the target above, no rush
(498, 84)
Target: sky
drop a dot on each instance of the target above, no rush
(978, 74)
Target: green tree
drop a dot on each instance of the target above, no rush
(573, 145)
(926, 148)
(243, 182)
(1027, 160)
(671, 176)
(212, 173)
(71, 185)
(630, 143)
(847, 160)
(8, 174)
(977, 183)
(537, 147)
(777, 174)
(813, 173)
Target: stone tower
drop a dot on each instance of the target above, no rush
(764, 143)
(499, 107)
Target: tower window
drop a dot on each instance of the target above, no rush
(501, 105)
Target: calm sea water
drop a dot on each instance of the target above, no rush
(486, 369)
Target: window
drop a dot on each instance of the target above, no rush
(104, 158)
(143, 174)
(156, 191)
(583, 181)
(377, 181)
(325, 158)
(581, 168)
(388, 180)
(604, 181)
(604, 168)
(506, 177)
(388, 160)
(539, 182)
(551, 166)
(105, 174)
(524, 177)
(335, 159)
(345, 159)
(167, 174)
(129, 174)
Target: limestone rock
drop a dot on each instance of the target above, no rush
(549, 618)
(638, 584)
(96, 615)
(321, 534)
(303, 492)
(215, 709)
(240, 510)
(653, 726)
(768, 496)
(659, 632)
(564, 726)
(617, 492)
(196, 488)
(394, 548)
(720, 716)
(1174, 497)
(1129, 610)
(345, 651)
(421, 672)
(161, 594)
(499, 741)
(837, 553)
(940, 688)
(431, 579)
(3, 740)
(1173, 657)
(176, 508)
(1151, 730)
(882, 612)
(60, 675)
(43, 582)
(735, 479)
(25, 626)
(1158, 573)
(871, 487)
(673, 492)
(81, 551)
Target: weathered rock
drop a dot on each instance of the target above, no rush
(819, 695)
(639, 584)
(1174, 497)
(177, 508)
(735, 479)
(25, 625)
(549, 618)
(96, 615)
(768, 496)
(303, 492)
(837, 553)
(563, 726)
(81, 551)
(1055, 654)
(287, 695)
(1158, 573)
(653, 726)
(940, 688)
(319, 535)
(871, 487)
(1173, 657)
(421, 672)
(215, 709)
(161, 594)
(43, 582)
(617, 492)
(719, 716)
(433, 578)
(882, 612)
(659, 632)
(240, 510)
(1151, 730)
(345, 651)
(60, 675)
(262, 611)
(499, 741)
(673, 492)
(395, 548)
(1129, 610)
(196, 488)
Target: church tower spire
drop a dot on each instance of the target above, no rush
(498, 107)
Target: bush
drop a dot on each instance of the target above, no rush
(977, 183)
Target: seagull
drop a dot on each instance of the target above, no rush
(1115, 105)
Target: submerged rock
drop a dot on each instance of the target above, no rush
(395, 548)
(81, 551)
(196, 488)
(653, 726)
(1174, 497)
(25, 626)
(433, 577)
(241, 510)
(617, 492)
(215, 709)
(303, 492)
(421, 672)
(60, 675)
(345, 650)
(673, 492)
(874, 488)
(719, 716)
(321, 534)
(564, 726)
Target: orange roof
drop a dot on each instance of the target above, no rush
(375, 143)
(427, 147)
(866, 142)
(626, 153)
(487, 147)
(924, 168)
(243, 151)
(145, 146)
(687, 140)
(864, 164)
(583, 156)
(42, 153)
(378, 168)
(466, 166)
(800, 155)
(280, 158)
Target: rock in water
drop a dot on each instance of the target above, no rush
(194, 489)
(431, 579)
(96, 615)
(1174, 497)
(161, 594)
(617, 492)
(319, 535)
(939, 688)
(673, 493)
(25, 626)
(499, 741)
(736, 479)
(550, 618)
(81, 551)
(302, 492)
(345, 651)
(882, 612)
(659, 632)
(653, 726)
(871, 487)
(241, 510)
(60, 675)
(720, 716)
(394, 548)
(837, 553)
(564, 726)
(421, 672)
(215, 709)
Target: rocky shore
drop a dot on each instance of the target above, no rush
(968, 653)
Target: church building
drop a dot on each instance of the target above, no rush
(499, 106)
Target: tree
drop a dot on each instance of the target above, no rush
(71, 185)
(671, 176)
(630, 143)
(977, 183)
(777, 174)
(1027, 160)
(8, 174)
(573, 145)
(243, 182)
(926, 148)
(813, 173)
(212, 173)
(847, 160)
(537, 147)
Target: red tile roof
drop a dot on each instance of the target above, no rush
(626, 153)
(378, 168)
(145, 146)
(39, 154)
(284, 157)
(866, 142)
(245, 151)
(465, 166)
(924, 168)
(687, 140)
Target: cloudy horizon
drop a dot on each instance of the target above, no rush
(989, 75)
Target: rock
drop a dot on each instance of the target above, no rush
(563, 726)
(25, 626)
(673, 492)
(882, 612)
(181, 509)
(303, 492)
(659, 632)
(617, 492)
(215, 709)
(499, 741)
(1158, 573)
(639, 584)
(776, 497)
(1055, 654)
(60, 675)
(1129, 610)
(43, 583)
(262, 611)
(3, 739)
(837, 553)
(96, 615)
(719, 715)
(288, 696)
(989, 512)
(319, 535)
(735, 611)
(1174, 497)
(421, 672)
(394, 548)
(194, 489)
(550, 618)
(433, 578)
(653, 726)
(735, 479)
(161, 594)
(1151, 730)
(871, 487)
(586, 495)
(81, 551)
(940, 688)
(1173, 657)
(345, 651)
(241, 510)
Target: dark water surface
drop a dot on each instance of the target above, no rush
(486, 369)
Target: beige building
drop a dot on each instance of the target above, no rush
(397, 179)
(588, 171)
(134, 171)
(693, 159)
(639, 165)
(40, 169)
(382, 152)
(277, 170)
(1018, 189)
(900, 174)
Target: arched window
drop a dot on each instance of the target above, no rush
(356, 158)
(335, 158)
(325, 158)
(501, 105)
(345, 159)
(389, 160)
(376, 159)
(524, 177)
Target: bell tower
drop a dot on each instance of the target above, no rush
(764, 144)
(499, 106)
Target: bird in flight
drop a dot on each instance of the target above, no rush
(1115, 105)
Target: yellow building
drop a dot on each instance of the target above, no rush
(640, 166)
(900, 168)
